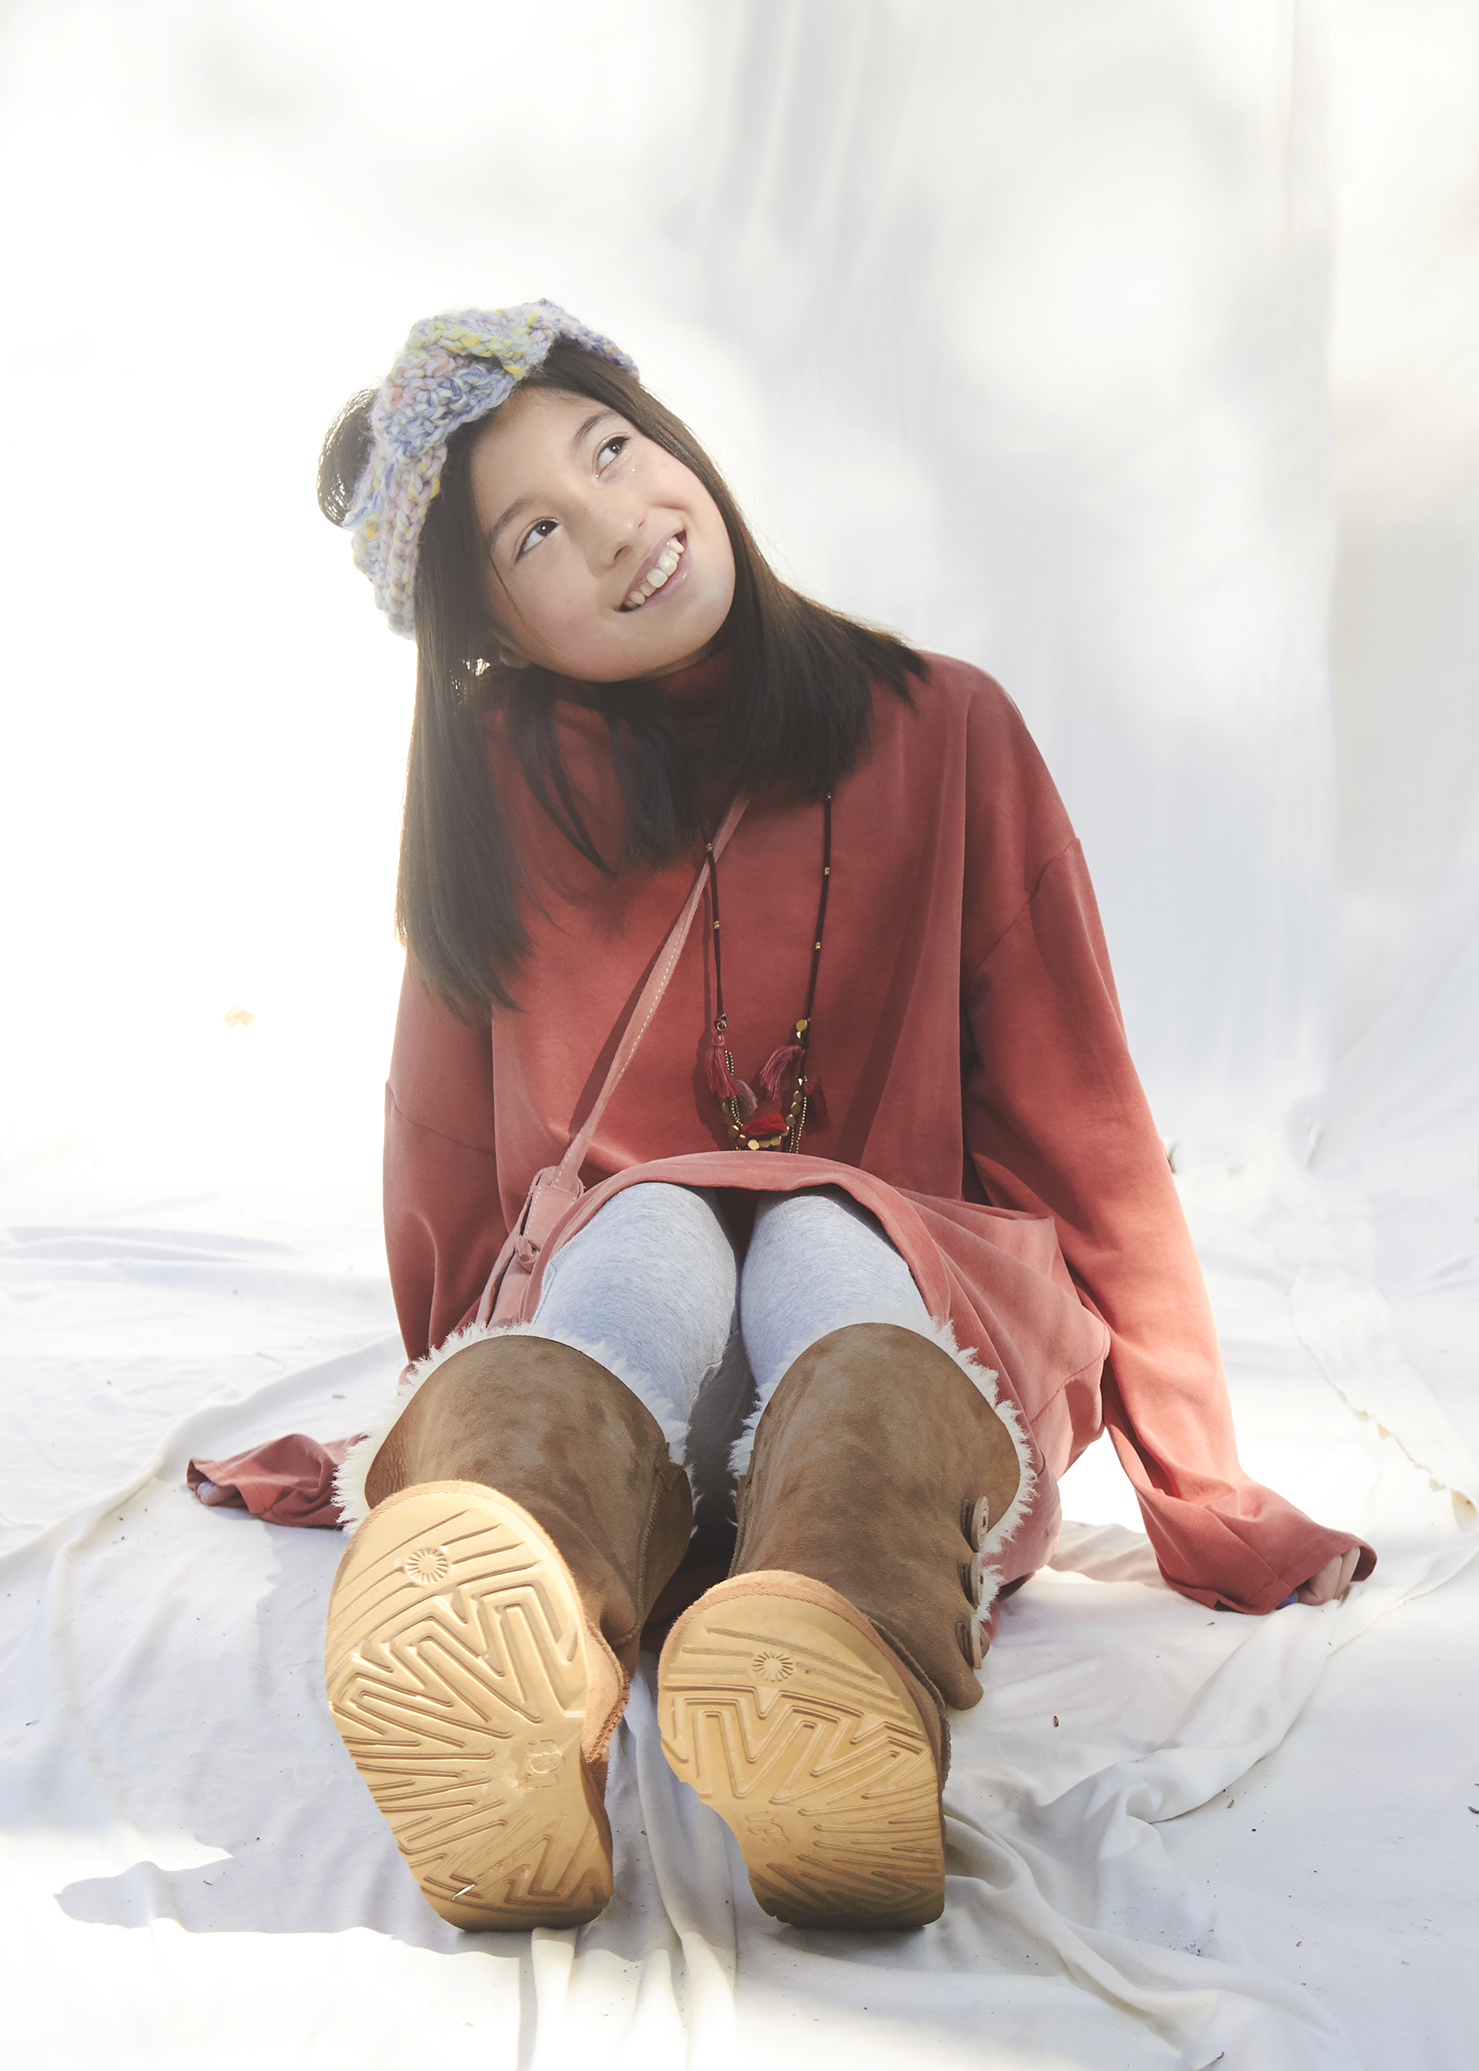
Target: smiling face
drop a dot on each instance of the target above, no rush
(607, 558)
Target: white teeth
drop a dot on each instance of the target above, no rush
(662, 568)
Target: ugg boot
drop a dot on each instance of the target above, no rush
(485, 1621)
(804, 1698)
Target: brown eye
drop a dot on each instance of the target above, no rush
(534, 535)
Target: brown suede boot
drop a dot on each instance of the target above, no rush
(485, 1621)
(804, 1698)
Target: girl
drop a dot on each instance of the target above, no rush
(757, 1022)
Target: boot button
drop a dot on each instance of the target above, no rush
(968, 1633)
(980, 1521)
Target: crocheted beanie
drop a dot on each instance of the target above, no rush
(451, 370)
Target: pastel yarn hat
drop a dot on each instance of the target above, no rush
(450, 371)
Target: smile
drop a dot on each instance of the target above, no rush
(656, 574)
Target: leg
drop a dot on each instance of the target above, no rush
(648, 1287)
(805, 1697)
(486, 1615)
(816, 1261)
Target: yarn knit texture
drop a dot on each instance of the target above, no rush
(450, 371)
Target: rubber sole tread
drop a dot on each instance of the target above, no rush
(456, 1673)
(799, 1734)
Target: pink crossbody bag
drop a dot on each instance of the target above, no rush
(557, 1188)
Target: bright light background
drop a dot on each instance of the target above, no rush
(1088, 342)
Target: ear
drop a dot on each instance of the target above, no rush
(500, 648)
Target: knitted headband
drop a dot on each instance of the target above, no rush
(450, 371)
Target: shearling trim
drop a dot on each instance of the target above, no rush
(904, 1319)
(985, 1568)
(349, 1481)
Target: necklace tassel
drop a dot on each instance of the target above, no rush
(719, 1068)
(789, 1057)
(816, 1101)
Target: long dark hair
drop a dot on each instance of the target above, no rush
(800, 701)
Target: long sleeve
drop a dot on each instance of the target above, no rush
(443, 1222)
(1057, 1123)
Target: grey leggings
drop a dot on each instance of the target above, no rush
(654, 1288)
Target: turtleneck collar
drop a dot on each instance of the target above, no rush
(695, 697)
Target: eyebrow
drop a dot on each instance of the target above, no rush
(581, 433)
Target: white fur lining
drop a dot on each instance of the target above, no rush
(904, 1319)
(985, 1570)
(349, 1481)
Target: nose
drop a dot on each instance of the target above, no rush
(616, 521)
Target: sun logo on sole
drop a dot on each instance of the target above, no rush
(428, 1564)
(541, 1763)
(771, 1667)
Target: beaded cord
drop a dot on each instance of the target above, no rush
(776, 1127)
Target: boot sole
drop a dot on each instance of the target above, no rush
(456, 1674)
(794, 1726)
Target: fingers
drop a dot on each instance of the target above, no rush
(1321, 1588)
(1333, 1580)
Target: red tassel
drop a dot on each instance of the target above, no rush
(816, 1102)
(719, 1068)
(745, 1095)
(768, 1125)
(778, 1063)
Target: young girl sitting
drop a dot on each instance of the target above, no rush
(757, 1022)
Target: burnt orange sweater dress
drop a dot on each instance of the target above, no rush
(980, 1098)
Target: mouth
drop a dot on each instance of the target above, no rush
(657, 572)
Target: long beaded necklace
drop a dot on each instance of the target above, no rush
(778, 1125)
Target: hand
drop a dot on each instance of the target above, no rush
(1332, 1582)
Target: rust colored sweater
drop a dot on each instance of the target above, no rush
(980, 1096)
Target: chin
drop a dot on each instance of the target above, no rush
(668, 644)
(662, 657)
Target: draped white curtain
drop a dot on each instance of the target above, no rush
(1129, 348)
(1013, 327)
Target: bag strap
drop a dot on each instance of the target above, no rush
(650, 997)
(556, 1188)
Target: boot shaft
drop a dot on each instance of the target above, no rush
(550, 1427)
(878, 1468)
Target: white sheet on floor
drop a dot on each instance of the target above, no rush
(195, 1870)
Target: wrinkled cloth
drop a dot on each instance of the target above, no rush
(289, 1481)
(189, 1852)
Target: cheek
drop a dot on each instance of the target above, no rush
(553, 606)
(716, 538)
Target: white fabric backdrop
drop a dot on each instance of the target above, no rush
(1128, 351)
